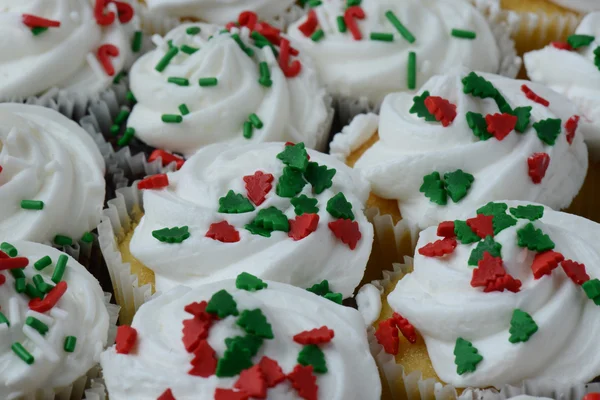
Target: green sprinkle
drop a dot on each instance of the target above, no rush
(178, 81)
(208, 82)
(193, 30)
(522, 326)
(251, 283)
(87, 237)
(234, 203)
(256, 122)
(131, 97)
(318, 35)
(164, 62)
(42, 263)
(36, 324)
(351, 3)
(136, 44)
(70, 343)
(459, 33)
(466, 356)
(222, 304)
(38, 30)
(115, 129)
(341, 24)
(314, 3)
(170, 43)
(548, 130)
(3, 319)
(121, 117)
(62, 240)
(40, 285)
(383, 37)
(9, 249)
(20, 284)
(171, 235)
(238, 40)
(412, 70)
(33, 292)
(127, 136)
(172, 118)
(118, 78)
(23, 354)
(265, 74)
(32, 204)
(313, 355)
(248, 129)
(183, 109)
(399, 27)
(59, 269)
(188, 49)
(577, 41)
(17, 273)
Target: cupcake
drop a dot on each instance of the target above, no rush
(507, 295)
(369, 50)
(54, 323)
(242, 338)
(202, 85)
(51, 177)
(261, 208)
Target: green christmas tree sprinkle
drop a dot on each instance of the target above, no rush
(466, 356)
(523, 115)
(305, 205)
(502, 221)
(592, 290)
(222, 304)
(255, 323)
(434, 189)
(257, 230)
(339, 207)
(234, 360)
(478, 86)
(464, 233)
(478, 125)
(458, 184)
(522, 326)
(171, 235)
(272, 219)
(492, 208)
(319, 176)
(320, 289)
(530, 212)
(534, 239)
(313, 355)
(249, 282)
(420, 109)
(578, 41)
(488, 244)
(250, 343)
(548, 130)
(290, 183)
(597, 57)
(335, 297)
(295, 157)
(234, 203)
(502, 104)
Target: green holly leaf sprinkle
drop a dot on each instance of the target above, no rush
(339, 207)
(222, 304)
(234, 360)
(478, 86)
(335, 297)
(434, 189)
(502, 221)
(255, 323)
(502, 104)
(250, 343)
(320, 289)
(488, 244)
(466, 357)
(420, 109)
(458, 184)
(290, 183)
(234, 203)
(464, 233)
(523, 115)
(492, 208)
(249, 282)
(534, 239)
(257, 230)
(478, 125)
(305, 205)
(171, 235)
(577, 41)
(313, 355)
(592, 290)
(319, 176)
(529, 212)
(295, 157)
(272, 219)
(522, 326)
(548, 130)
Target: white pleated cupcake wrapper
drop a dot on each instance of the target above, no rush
(417, 388)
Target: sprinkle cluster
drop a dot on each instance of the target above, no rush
(576, 42)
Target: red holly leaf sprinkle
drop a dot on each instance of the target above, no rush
(538, 164)
(446, 229)
(408, 331)
(252, 382)
(304, 382)
(126, 339)
(575, 271)
(482, 225)
(303, 226)
(562, 46)
(223, 232)
(204, 363)
(530, 94)
(347, 231)
(571, 127)
(229, 394)
(258, 186)
(315, 336)
(545, 262)
(194, 330)
(199, 310)
(438, 248)
(310, 25)
(488, 269)
(441, 109)
(500, 125)
(167, 395)
(271, 371)
(387, 336)
(506, 282)
(157, 181)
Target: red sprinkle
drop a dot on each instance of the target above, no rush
(488, 269)
(538, 164)
(575, 271)
(252, 382)
(503, 283)
(438, 248)
(562, 46)
(194, 331)
(229, 394)
(101, 18)
(292, 69)
(315, 336)
(446, 229)
(408, 331)
(248, 19)
(223, 232)
(258, 186)
(13, 263)
(124, 10)
(534, 97)
(347, 231)
(350, 16)
(204, 363)
(231, 25)
(154, 182)
(50, 300)
(167, 158)
(500, 125)
(310, 25)
(482, 225)
(33, 21)
(387, 336)
(304, 382)
(591, 396)
(271, 371)
(571, 127)
(104, 54)
(2, 279)
(272, 34)
(442, 109)
(545, 262)
(303, 226)
(167, 395)
(126, 339)
(199, 310)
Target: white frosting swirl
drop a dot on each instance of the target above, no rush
(410, 148)
(372, 69)
(59, 57)
(438, 299)
(47, 157)
(291, 109)
(579, 5)
(192, 199)
(80, 312)
(574, 74)
(160, 360)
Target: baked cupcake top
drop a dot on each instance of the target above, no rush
(51, 175)
(468, 138)
(204, 85)
(53, 319)
(573, 69)
(245, 336)
(383, 46)
(507, 294)
(261, 208)
(77, 46)
(583, 6)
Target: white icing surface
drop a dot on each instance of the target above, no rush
(192, 199)
(579, 5)
(439, 301)
(372, 69)
(30, 65)
(368, 300)
(292, 109)
(161, 361)
(45, 156)
(410, 148)
(574, 74)
(80, 312)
